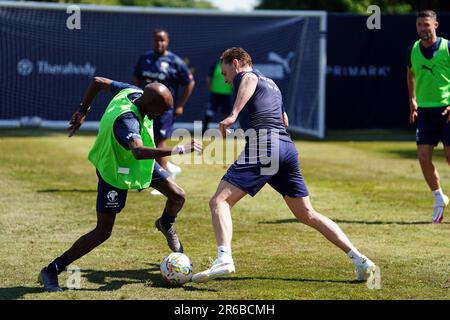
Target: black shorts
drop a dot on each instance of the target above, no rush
(432, 127)
(287, 179)
(112, 200)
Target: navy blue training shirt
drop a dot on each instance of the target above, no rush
(169, 70)
(264, 110)
(428, 53)
(126, 126)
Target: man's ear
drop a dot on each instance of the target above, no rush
(235, 63)
(436, 24)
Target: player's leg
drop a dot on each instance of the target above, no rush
(447, 154)
(432, 127)
(226, 196)
(110, 201)
(243, 177)
(305, 213)
(290, 184)
(176, 197)
(92, 239)
(86, 243)
(430, 173)
(442, 200)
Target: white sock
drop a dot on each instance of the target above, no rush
(438, 196)
(224, 254)
(356, 256)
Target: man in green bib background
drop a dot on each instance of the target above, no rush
(124, 156)
(428, 76)
(220, 98)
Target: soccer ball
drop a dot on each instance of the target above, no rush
(176, 269)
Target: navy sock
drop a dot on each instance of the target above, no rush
(59, 264)
(167, 220)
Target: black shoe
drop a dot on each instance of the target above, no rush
(49, 280)
(172, 239)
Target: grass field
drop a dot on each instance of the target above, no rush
(373, 189)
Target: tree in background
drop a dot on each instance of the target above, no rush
(357, 6)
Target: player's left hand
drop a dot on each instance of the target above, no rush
(178, 112)
(76, 122)
(447, 112)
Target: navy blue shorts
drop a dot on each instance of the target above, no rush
(286, 179)
(163, 125)
(218, 102)
(112, 200)
(432, 126)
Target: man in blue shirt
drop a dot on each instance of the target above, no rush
(267, 139)
(161, 65)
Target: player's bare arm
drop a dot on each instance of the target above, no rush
(141, 153)
(412, 95)
(97, 84)
(187, 91)
(246, 90)
(447, 112)
(285, 120)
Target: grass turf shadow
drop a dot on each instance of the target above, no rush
(114, 280)
(291, 279)
(376, 222)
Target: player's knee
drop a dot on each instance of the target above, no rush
(178, 196)
(424, 158)
(103, 233)
(214, 203)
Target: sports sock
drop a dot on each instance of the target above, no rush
(224, 254)
(59, 264)
(438, 196)
(167, 220)
(356, 256)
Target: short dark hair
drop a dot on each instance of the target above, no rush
(427, 14)
(236, 53)
(159, 30)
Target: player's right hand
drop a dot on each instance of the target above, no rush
(76, 122)
(225, 124)
(413, 111)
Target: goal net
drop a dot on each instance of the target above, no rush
(47, 65)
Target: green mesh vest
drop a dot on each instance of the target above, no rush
(117, 165)
(432, 76)
(218, 84)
